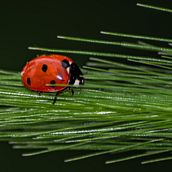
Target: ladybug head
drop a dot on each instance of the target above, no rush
(74, 72)
(76, 76)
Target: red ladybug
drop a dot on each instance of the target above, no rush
(47, 70)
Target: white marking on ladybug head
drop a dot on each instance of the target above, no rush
(81, 81)
(76, 83)
(68, 70)
(59, 77)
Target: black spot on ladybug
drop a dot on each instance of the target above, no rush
(52, 82)
(44, 67)
(65, 64)
(28, 81)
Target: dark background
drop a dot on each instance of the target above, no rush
(37, 23)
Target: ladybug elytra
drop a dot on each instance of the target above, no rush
(42, 72)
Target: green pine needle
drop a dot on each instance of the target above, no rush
(123, 44)
(154, 7)
(144, 37)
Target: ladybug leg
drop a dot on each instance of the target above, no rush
(71, 90)
(55, 97)
(39, 93)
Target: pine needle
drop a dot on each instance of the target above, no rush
(144, 37)
(154, 7)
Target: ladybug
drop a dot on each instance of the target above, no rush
(42, 72)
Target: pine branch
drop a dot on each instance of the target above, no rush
(122, 107)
